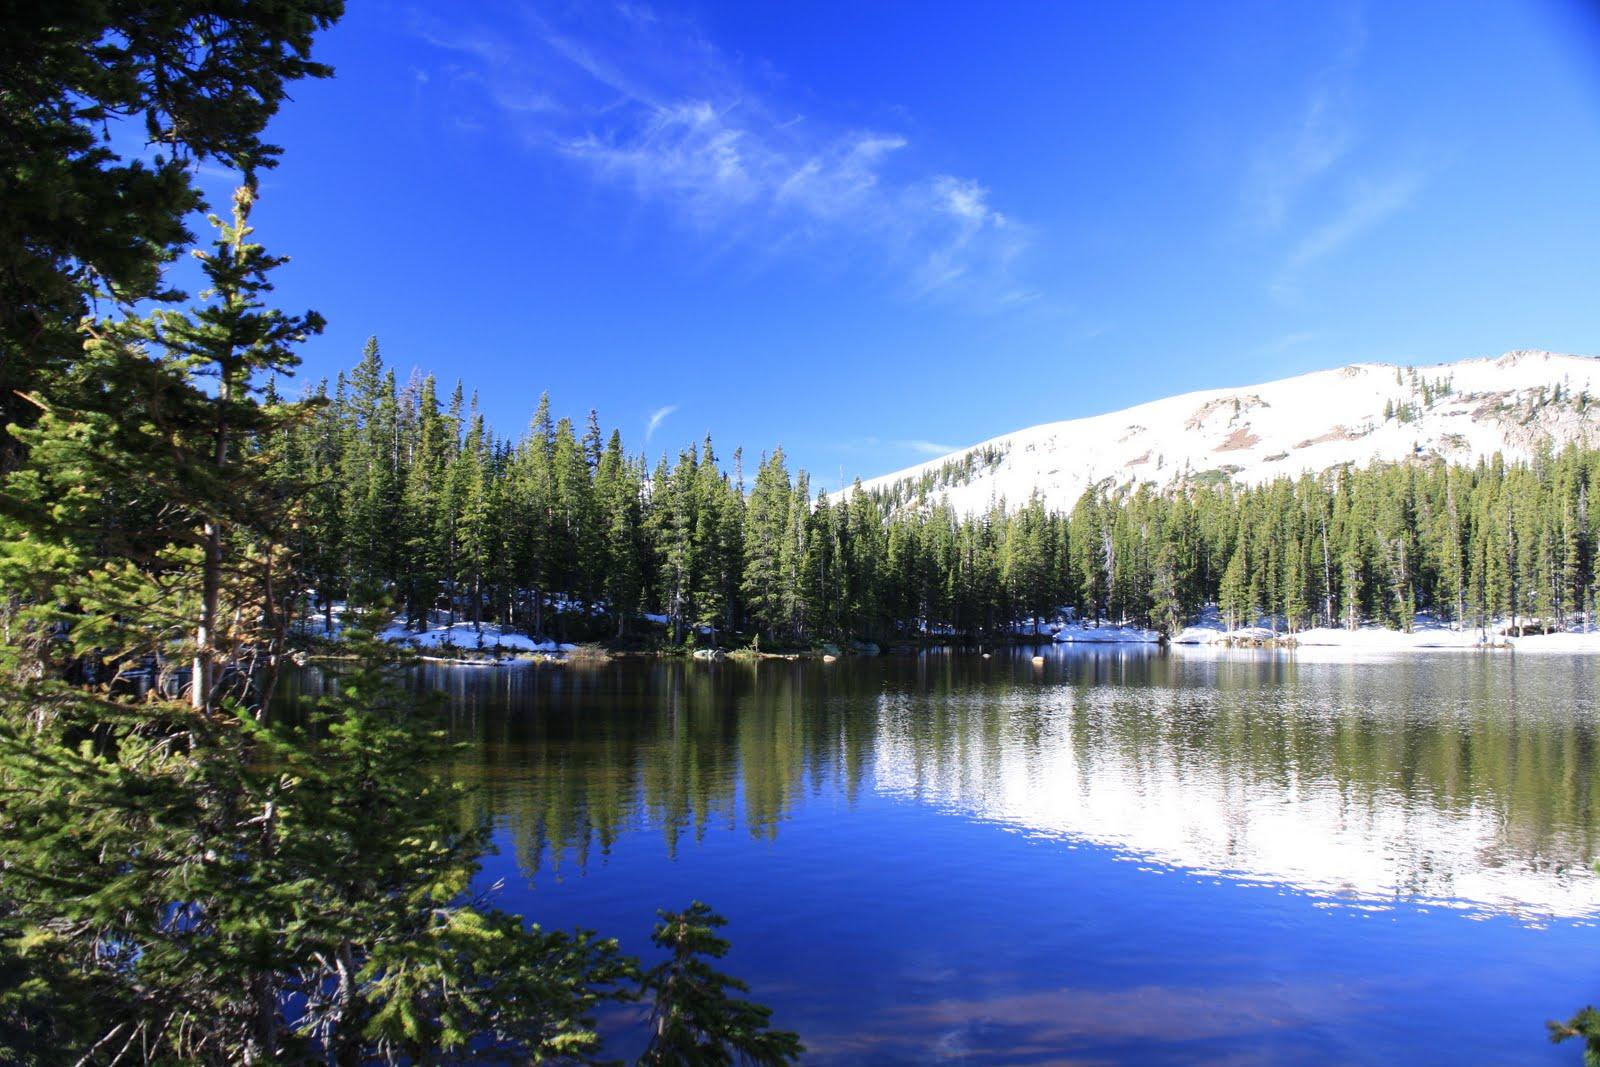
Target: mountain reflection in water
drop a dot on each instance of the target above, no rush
(1464, 780)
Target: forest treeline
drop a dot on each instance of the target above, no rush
(561, 530)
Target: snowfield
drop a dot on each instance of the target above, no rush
(1460, 412)
(440, 636)
(1368, 638)
(465, 637)
(442, 639)
(1074, 634)
(1563, 643)
(1427, 635)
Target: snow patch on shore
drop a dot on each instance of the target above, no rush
(1106, 635)
(1427, 634)
(440, 634)
(1382, 640)
(328, 623)
(464, 636)
(1568, 643)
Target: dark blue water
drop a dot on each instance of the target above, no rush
(1122, 856)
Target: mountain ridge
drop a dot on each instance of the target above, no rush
(1358, 413)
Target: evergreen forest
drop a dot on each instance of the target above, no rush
(562, 530)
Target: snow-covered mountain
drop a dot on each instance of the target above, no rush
(1356, 414)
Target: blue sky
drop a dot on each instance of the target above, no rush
(871, 231)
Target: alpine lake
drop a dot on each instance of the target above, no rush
(1129, 854)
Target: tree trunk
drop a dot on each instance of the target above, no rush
(346, 1038)
(1327, 577)
(262, 1044)
(211, 577)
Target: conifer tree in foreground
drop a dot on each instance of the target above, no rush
(695, 1019)
(1585, 1025)
(82, 221)
(182, 877)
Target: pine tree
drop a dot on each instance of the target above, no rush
(1585, 1025)
(80, 215)
(617, 498)
(133, 431)
(862, 554)
(695, 1019)
(529, 506)
(426, 554)
(677, 501)
(1234, 595)
(767, 524)
(593, 441)
(1296, 607)
(792, 556)
(402, 963)
(577, 544)
(1166, 608)
(1089, 554)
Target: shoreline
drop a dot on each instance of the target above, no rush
(515, 649)
(1584, 645)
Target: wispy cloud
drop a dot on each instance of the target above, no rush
(902, 444)
(1320, 137)
(657, 417)
(1363, 206)
(1316, 185)
(1283, 343)
(642, 100)
(1320, 134)
(1367, 203)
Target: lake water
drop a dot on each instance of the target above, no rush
(1125, 855)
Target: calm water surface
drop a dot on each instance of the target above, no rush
(1127, 855)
